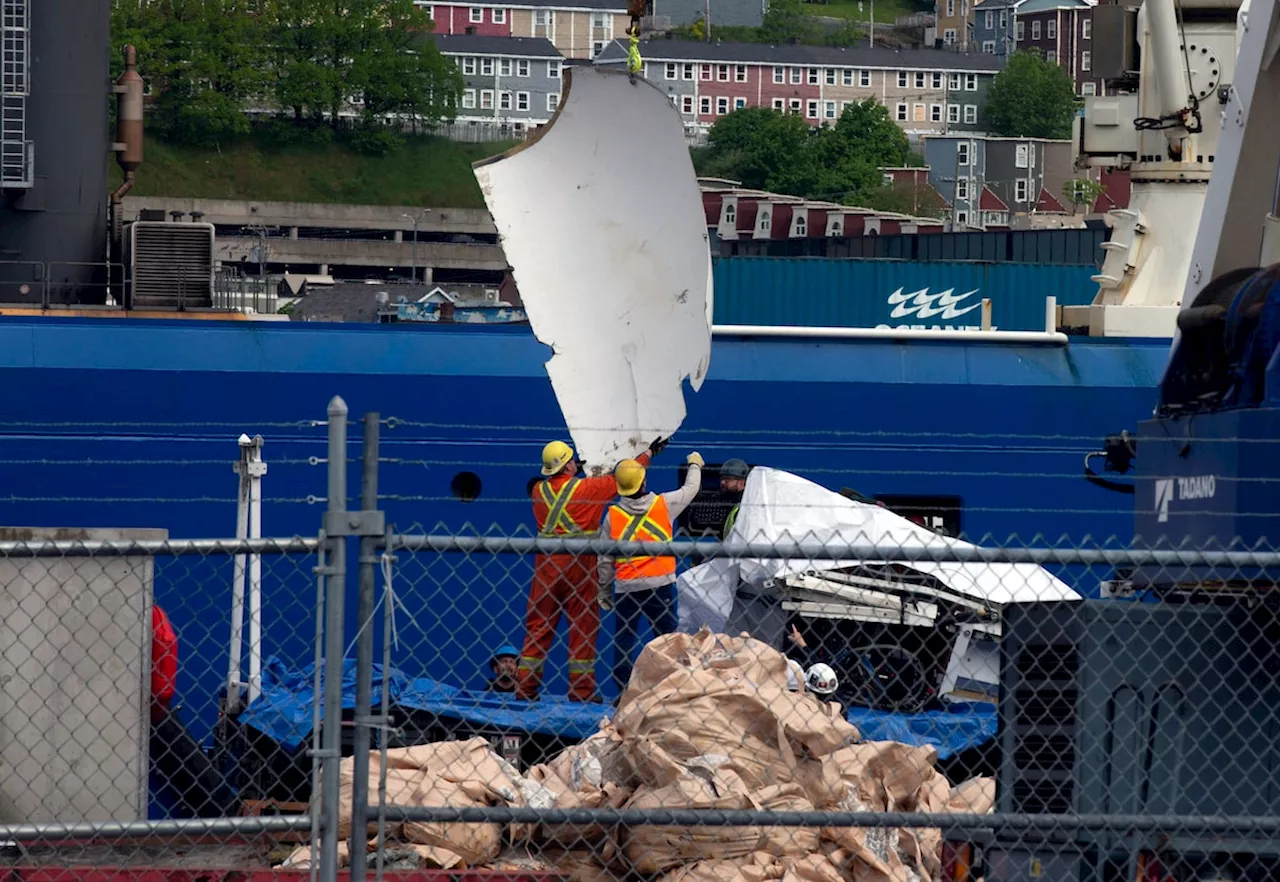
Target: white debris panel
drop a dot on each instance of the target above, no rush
(601, 219)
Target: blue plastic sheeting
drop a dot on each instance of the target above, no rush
(284, 711)
(962, 726)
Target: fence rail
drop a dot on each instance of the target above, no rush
(831, 693)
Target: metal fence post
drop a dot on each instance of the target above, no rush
(331, 741)
(364, 654)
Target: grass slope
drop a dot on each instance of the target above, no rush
(425, 171)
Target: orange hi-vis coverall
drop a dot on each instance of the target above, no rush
(565, 506)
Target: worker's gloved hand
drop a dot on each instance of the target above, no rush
(695, 458)
(605, 596)
(658, 445)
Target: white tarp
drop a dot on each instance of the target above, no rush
(601, 219)
(779, 506)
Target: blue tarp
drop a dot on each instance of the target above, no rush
(283, 712)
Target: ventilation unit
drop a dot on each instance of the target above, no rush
(170, 265)
(15, 149)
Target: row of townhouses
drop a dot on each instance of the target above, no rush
(1061, 30)
(517, 81)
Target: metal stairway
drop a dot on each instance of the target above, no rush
(15, 150)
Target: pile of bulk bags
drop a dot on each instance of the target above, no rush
(707, 722)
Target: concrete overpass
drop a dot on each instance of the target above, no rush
(315, 237)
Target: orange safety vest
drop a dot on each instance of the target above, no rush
(558, 522)
(652, 526)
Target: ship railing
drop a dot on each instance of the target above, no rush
(100, 286)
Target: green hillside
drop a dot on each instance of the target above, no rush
(424, 171)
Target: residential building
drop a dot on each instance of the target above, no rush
(510, 81)
(989, 181)
(927, 91)
(1062, 31)
(723, 13)
(954, 22)
(577, 28)
(994, 27)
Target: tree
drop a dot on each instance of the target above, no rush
(914, 197)
(1031, 98)
(1081, 191)
(786, 21)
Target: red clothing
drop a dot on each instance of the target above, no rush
(164, 657)
(566, 583)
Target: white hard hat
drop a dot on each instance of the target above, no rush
(795, 675)
(821, 679)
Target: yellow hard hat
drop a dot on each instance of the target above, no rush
(630, 476)
(555, 456)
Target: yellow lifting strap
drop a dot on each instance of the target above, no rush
(634, 63)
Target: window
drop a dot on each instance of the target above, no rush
(812, 110)
(428, 9)
(1086, 60)
(864, 79)
(553, 70)
(486, 99)
(988, 19)
(801, 225)
(971, 82)
(1035, 30)
(730, 213)
(813, 76)
(844, 105)
(522, 67)
(469, 99)
(937, 80)
(1019, 191)
(504, 100)
(953, 113)
(686, 104)
(829, 110)
(722, 106)
(846, 77)
(1051, 29)
(687, 72)
(477, 15)
(917, 114)
(779, 105)
(935, 113)
(553, 101)
(522, 100)
(831, 76)
(962, 188)
(1086, 28)
(541, 19)
(597, 46)
(951, 8)
(499, 16)
(962, 218)
(740, 73)
(1051, 57)
(902, 113)
(779, 76)
(1089, 89)
(764, 221)
(739, 103)
(599, 20)
(919, 79)
(949, 36)
(504, 67)
(706, 72)
(989, 47)
(1020, 155)
(704, 104)
(970, 114)
(722, 73)
(953, 82)
(902, 79)
(1020, 31)
(469, 66)
(795, 74)
(486, 67)
(887, 180)
(962, 153)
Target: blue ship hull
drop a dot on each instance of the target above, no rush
(133, 423)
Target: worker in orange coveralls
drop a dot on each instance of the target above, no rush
(565, 505)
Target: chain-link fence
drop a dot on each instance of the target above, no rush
(768, 679)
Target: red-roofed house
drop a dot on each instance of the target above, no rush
(995, 213)
(1047, 203)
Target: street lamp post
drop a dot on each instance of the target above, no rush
(413, 258)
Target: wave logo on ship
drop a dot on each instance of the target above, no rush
(945, 305)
